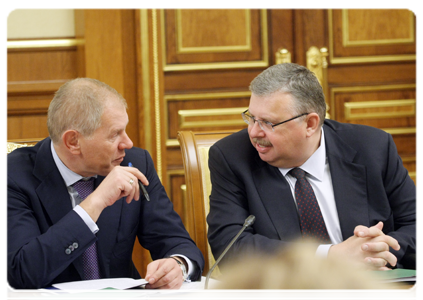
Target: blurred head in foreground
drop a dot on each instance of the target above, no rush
(297, 267)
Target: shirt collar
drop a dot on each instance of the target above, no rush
(68, 175)
(315, 165)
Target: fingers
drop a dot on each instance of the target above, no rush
(164, 274)
(381, 244)
(374, 231)
(138, 175)
(381, 259)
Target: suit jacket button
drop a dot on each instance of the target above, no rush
(75, 245)
(68, 251)
(71, 248)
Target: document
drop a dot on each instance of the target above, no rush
(135, 286)
(397, 275)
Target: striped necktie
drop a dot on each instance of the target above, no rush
(89, 257)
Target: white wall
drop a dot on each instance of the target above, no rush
(40, 23)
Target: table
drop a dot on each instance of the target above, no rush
(16, 295)
(412, 290)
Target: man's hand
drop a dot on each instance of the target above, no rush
(164, 274)
(116, 185)
(369, 246)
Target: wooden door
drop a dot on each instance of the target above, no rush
(206, 59)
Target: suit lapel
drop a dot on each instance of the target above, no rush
(276, 195)
(52, 190)
(349, 183)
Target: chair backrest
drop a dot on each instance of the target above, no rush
(195, 153)
(15, 144)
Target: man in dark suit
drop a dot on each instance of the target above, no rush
(363, 192)
(50, 229)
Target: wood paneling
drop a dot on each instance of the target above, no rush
(201, 36)
(33, 75)
(34, 64)
(205, 112)
(372, 35)
(378, 26)
(109, 55)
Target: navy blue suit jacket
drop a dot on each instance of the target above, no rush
(369, 181)
(42, 224)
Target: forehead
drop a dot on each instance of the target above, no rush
(269, 106)
(114, 115)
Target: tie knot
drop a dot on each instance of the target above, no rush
(84, 187)
(297, 173)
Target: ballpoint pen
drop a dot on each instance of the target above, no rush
(144, 191)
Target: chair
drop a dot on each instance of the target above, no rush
(15, 144)
(195, 153)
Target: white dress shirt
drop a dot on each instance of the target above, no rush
(318, 175)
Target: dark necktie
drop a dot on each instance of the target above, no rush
(312, 223)
(89, 257)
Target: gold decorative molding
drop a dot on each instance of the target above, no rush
(264, 62)
(14, 146)
(213, 49)
(202, 96)
(146, 79)
(398, 131)
(415, 176)
(357, 89)
(282, 56)
(318, 64)
(348, 43)
(156, 78)
(360, 59)
(53, 43)
(184, 115)
(390, 105)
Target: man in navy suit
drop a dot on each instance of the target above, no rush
(49, 228)
(366, 197)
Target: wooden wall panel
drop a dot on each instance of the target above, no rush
(211, 36)
(205, 112)
(190, 41)
(372, 35)
(377, 106)
(33, 75)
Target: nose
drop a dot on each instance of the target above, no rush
(255, 130)
(126, 142)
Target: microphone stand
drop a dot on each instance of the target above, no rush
(248, 222)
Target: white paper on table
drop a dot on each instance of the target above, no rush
(99, 284)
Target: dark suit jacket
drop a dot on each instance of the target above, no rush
(42, 225)
(369, 181)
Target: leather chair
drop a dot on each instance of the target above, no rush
(195, 153)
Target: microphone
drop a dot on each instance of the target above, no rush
(248, 222)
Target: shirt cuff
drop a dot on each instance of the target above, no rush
(191, 266)
(323, 250)
(86, 218)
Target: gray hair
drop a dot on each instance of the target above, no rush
(296, 80)
(79, 105)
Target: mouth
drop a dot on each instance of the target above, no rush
(261, 145)
(119, 160)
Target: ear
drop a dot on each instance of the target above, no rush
(70, 140)
(312, 121)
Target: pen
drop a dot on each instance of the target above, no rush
(144, 191)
